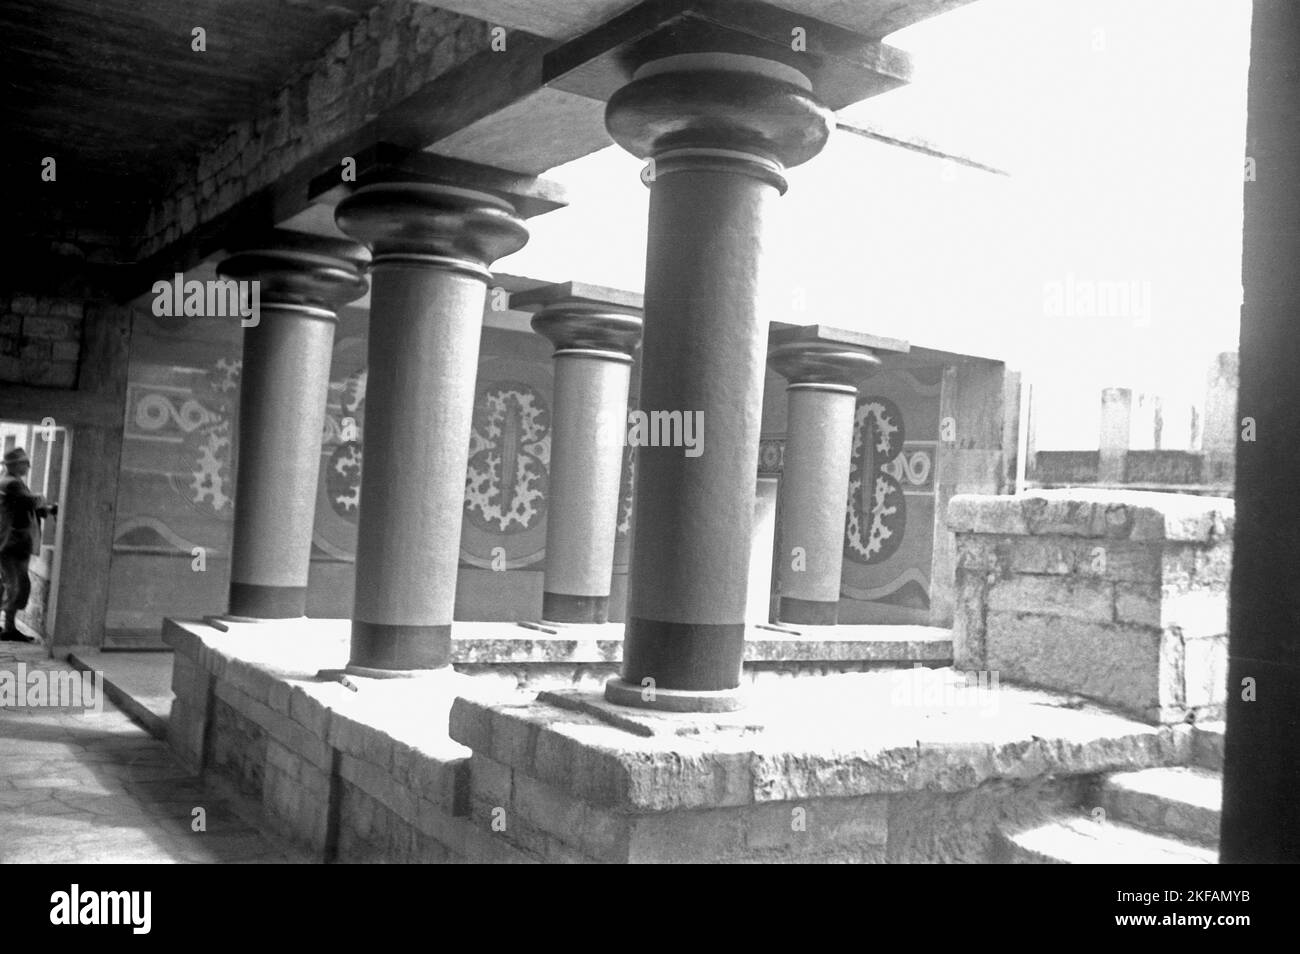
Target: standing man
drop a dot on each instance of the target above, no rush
(20, 514)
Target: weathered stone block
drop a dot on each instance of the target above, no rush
(979, 552)
(361, 741)
(277, 696)
(278, 726)
(49, 327)
(491, 783)
(281, 759)
(238, 748)
(1073, 517)
(1138, 605)
(309, 712)
(514, 740)
(1213, 566)
(968, 513)
(183, 673)
(691, 777)
(594, 832)
(1205, 675)
(1069, 597)
(1110, 662)
(470, 724)
(818, 825)
(34, 351)
(1094, 558)
(380, 785)
(686, 836)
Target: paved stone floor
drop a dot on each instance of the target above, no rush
(93, 788)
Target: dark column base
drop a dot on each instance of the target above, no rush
(1261, 823)
(395, 647)
(564, 608)
(683, 656)
(254, 601)
(808, 612)
(623, 693)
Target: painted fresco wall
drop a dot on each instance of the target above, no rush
(923, 432)
(890, 500)
(177, 487)
(171, 540)
(889, 530)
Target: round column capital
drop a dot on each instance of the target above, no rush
(822, 363)
(588, 327)
(293, 268)
(427, 221)
(719, 107)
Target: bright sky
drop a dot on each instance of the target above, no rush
(1122, 123)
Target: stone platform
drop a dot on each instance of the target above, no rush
(898, 766)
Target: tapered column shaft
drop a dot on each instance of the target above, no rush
(432, 245)
(719, 131)
(284, 386)
(821, 400)
(589, 420)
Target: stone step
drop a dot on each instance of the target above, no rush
(1079, 840)
(1183, 801)
(1207, 745)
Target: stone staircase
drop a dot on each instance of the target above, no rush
(1153, 816)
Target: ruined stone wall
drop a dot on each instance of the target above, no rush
(381, 60)
(40, 340)
(1119, 596)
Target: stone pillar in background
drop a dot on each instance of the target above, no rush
(1221, 429)
(432, 245)
(595, 331)
(284, 385)
(719, 130)
(822, 398)
(1116, 421)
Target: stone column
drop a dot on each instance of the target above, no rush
(822, 396)
(432, 245)
(594, 332)
(1220, 430)
(301, 280)
(719, 129)
(1116, 423)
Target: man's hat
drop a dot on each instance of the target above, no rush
(17, 456)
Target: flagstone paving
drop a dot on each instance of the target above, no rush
(92, 787)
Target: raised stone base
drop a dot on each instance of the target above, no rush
(887, 767)
(903, 765)
(365, 769)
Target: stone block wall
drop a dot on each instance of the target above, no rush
(330, 779)
(40, 340)
(1114, 595)
(371, 773)
(568, 778)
